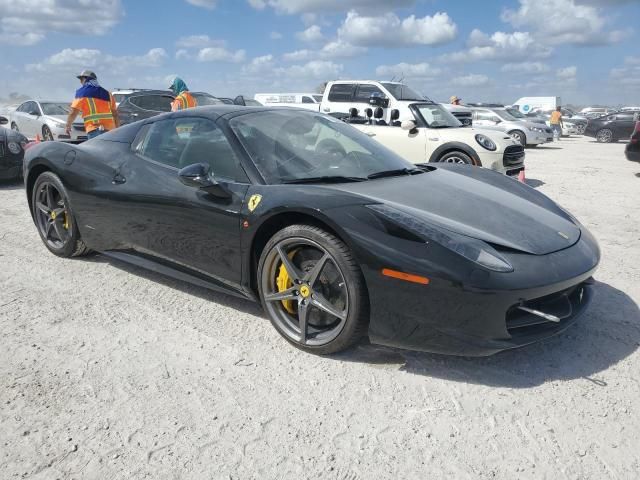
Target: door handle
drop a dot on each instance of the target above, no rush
(371, 134)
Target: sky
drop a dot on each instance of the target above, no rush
(480, 50)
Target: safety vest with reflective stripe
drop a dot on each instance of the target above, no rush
(183, 101)
(96, 113)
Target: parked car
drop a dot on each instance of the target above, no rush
(336, 235)
(611, 128)
(121, 94)
(573, 123)
(523, 131)
(46, 119)
(433, 135)
(530, 117)
(205, 99)
(308, 101)
(12, 145)
(144, 104)
(632, 150)
(593, 112)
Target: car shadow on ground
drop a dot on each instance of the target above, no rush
(534, 183)
(228, 300)
(607, 333)
(544, 147)
(17, 184)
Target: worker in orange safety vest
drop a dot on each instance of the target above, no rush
(95, 104)
(183, 99)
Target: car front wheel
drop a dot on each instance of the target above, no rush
(456, 157)
(47, 136)
(313, 290)
(53, 217)
(604, 136)
(519, 137)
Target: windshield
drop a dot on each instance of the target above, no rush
(504, 115)
(437, 117)
(515, 113)
(402, 92)
(317, 98)
(289, 147)
(204, 99)
(55, 108)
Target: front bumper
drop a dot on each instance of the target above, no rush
(538, 138)
(632, 152)
(508, 162)
(76, 135)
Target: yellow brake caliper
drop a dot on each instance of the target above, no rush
(284, 282)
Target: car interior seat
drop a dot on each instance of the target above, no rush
(379, 113)
(369, 113)
(395, 116)
(217, 153)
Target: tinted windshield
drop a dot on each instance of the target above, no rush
(204, 99)
(402, 92)
(504, 115)
(515, 113)
(289, 146)
(437, 117)
(55, 108)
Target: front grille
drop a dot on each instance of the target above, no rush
(563, 305)
(513, 155)
(79, 128)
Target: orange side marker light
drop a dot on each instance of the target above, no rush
(407, 277)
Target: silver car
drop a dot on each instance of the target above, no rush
(47, 120)
(521, 130)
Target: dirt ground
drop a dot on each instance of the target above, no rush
(110, 372)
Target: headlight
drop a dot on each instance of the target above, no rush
(538, 129)
(470, 248)
(14, 147)
(486, 142)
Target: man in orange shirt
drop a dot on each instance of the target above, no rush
(95, 104)
(556, 123)
(183, 99)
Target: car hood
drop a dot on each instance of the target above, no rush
(61, 118)
(477, 203)
(468, 136)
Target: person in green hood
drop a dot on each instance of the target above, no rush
(183, 99)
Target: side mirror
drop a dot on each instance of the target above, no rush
(409, 125)
(496, 120)
(3, 120)
(197, 176)
(34, 113)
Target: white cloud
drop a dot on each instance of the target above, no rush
(567, 73)
(632, 60)
(275, 35)
(332, 50)
(313, 34)
(220, 54)
(27, 22)
(408, 70)
(471, 80)
(70, 61)
(525, 67)
(499, 46)
(209, 4)
(316, 69)
(557, 22)
(199, 41)
(263, 64)
(390, 31)
(182, 54)
(294, 7)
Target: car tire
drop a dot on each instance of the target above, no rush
(54, 218)
(456, 157)
(519, 137)
(604, 135)
(47, 136)
(14, 127)
(332, 302)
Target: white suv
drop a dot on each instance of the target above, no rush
(430, 133)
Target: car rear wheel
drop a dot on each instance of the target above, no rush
(604, 136)
(519, 137)
(53, 217)
(456, 157)
(46, 134)
(14, 127)
(313, 290)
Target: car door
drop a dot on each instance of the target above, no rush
(177, 223)
(24, 120)
(150, 105)
(411, 145)
(625, 125)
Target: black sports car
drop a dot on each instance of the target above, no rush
(12, 146)
(337, 236)
(612, 128)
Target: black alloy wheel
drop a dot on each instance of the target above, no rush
(313, 290)
(519, 137)
(54, 219)
(47, 136)
(456, 157)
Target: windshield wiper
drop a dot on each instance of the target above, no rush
(395, 173)
(325, 179)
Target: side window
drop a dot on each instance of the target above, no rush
(22, 108)
(341, 92)
(483, 115)
(184, 141)
(155, 103)
(364, 93)
(306, 99)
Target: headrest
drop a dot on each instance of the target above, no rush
(379, 113)
(395, 114)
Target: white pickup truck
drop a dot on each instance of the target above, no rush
(341, 96)
(308, 101)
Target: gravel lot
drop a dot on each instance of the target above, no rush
(110, 372)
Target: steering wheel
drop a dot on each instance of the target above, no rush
(333, 153)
